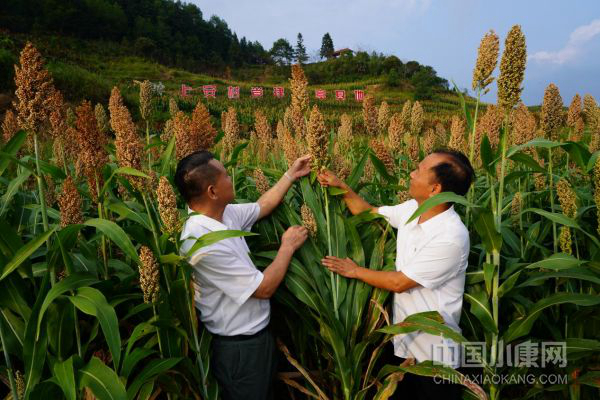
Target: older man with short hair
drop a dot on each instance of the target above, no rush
(431, 259)
(231, 294)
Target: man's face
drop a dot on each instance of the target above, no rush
(423, 183)
(222, 190)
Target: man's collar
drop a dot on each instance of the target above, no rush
(207, 222)
(435, 223)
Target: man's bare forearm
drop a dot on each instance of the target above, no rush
(394, 281)
(274, 273)
(355, 203)
(271, 199)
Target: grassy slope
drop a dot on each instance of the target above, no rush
(88, 70)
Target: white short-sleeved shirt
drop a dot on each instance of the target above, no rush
(224, 275)
(435, 255)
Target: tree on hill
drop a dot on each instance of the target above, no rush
(393, 78)
(169, 32)
(425, 80)
(282, 52)
(301, 56)
(327, 46)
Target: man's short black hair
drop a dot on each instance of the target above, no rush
(456, 173)
(194, 174)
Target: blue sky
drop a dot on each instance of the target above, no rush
(563, 37)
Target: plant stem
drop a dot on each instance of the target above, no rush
(521, 222)
(501, 178)
(148, 145)
(77, 333)
(157, 331)
(153, 226)
(193, 322)
(554, 235)
(472, 154)
(9, 369)
(40, 185)
(334, 279)
(473, 131)
(156, 243)
(495, 306)
(101, 216)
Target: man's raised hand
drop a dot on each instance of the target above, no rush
(294, 237)
(328, 178)
(343, 266)
(300, 167)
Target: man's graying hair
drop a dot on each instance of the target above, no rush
(455, 173)
(194, 174)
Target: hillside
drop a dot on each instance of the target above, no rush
(88, 69)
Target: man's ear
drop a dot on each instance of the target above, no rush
(436, 188)
(211, 192)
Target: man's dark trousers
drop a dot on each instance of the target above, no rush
(244, 365)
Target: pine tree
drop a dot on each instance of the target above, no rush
(301, 56)
(327, 46)
(282, 52)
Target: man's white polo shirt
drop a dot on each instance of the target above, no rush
(435, 255)
(224, 275)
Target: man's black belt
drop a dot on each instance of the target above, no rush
(237, 338)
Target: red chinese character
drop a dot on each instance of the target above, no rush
(185, 90)
(340, 95)
(233, 92)
(320, 94)
(256, 92)
(278, 91)
(209, 90)
(359, 95)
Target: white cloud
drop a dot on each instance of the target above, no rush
(574, 46)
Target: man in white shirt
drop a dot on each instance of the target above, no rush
(431, 259)
(231, 294)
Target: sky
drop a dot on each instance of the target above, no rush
(563, 37)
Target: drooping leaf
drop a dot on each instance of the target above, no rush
(71, 282)
(522, 326)
(444, 197)
(152, 370)
(214, 237)
(25, 252)
(116, 234)
(92, 302)
(11, 148)
(102, 381)
(65, 376)
(481, 309)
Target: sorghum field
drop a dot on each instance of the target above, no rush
(96, 301)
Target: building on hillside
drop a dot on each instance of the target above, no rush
(340, 52)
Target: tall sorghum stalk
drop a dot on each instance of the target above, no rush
(487, 59)
(551, 117)
(34, 101)
(155, 236)
(512, 72)
(194, 326)
(318, 144)
(150, 285)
